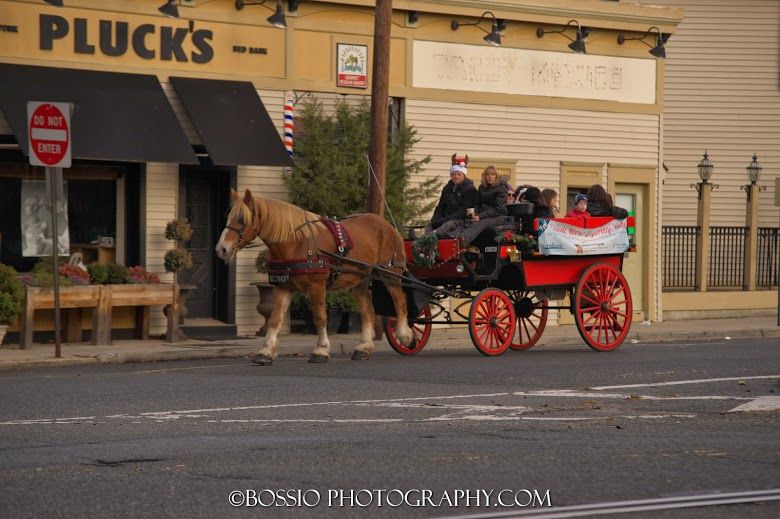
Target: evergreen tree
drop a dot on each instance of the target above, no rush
(330, 176)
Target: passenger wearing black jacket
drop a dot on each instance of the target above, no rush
(458, 195)
(492, 205)
(600, 203)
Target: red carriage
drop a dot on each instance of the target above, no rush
(505, 292)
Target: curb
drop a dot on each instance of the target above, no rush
(301, 345)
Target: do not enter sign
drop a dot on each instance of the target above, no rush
(49, 134)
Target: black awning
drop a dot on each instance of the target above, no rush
(232, 121)
(116, 116)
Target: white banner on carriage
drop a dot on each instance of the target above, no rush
(562, 239)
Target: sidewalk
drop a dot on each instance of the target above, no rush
(453, 338)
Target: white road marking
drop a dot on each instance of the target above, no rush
(622, 396)
(306, 404)
(166, 370)
(680, 382)
(452, 411)
(637, 505)
(762, 403)
(304, 420)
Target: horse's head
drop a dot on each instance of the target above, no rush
(241, 226)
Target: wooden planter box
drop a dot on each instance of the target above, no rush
(102, 299)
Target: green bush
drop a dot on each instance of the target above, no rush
(116, 274)
(342, 300)
(43, 273)
(11, 295)
(98, 274)
(331, 154)
(338, 299)
(299, 302)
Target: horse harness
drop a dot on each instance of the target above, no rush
(280, 271)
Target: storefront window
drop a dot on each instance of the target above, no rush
(87, 221)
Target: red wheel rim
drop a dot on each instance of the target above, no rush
(420, 331)
(531, 319)
(492, 322)
(602, 307)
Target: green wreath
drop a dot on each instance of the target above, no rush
(424, 250)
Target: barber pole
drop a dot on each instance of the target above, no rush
(289, 102)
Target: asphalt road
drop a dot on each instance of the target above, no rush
(564, 425)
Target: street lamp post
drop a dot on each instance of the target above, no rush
(752, 191)
(704, 190)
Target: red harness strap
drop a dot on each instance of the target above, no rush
(340, 234)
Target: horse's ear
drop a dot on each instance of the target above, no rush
(454, 158)
(466, 160)
(233, 195)
(247, 197)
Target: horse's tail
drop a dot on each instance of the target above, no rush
(397, 244)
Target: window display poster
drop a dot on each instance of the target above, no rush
(37, 236)
(352, 65)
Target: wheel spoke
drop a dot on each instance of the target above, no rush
(530, 322)
(594, 301)
(602, 326)
(619, 291)
(527, 332)
(493, 339)
(483, 334)
(591, 317)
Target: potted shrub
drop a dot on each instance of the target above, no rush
(300, 310)
(11, 296)
(340, 304)
(341, 310)
(179, 258)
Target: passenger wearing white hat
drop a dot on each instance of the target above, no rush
(458, 195)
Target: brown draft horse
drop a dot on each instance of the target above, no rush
(292, 233)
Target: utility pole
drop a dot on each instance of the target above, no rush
(377, 146)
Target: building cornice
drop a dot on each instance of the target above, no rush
(591, 13)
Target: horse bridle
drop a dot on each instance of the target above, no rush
(240, 232)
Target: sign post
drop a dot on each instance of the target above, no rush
(49, 145)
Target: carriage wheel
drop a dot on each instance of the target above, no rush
(531, 319)
(492, 322)
(420, 333)
(602, 307)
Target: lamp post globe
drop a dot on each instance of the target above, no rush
(754, 170)
(705, 168)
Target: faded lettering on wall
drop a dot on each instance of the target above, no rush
(529, 72)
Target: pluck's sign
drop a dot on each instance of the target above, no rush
(35, 31)
(115, 38)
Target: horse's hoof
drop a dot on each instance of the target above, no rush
(263, 360)
(317, 359)
(360, 355)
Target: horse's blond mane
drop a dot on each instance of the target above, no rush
(279, 221)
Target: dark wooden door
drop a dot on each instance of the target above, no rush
(200, 208)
